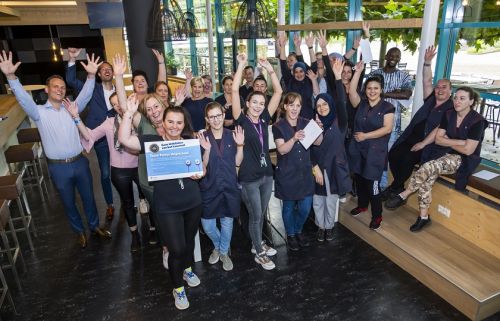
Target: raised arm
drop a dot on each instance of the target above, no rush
(353, 85)
(187, 86)
(314, 81)
(24, 99)
(239, 139)
(310, 43)
(297, 41)
(162, 70)
(72, 108)
(71, 79)
(340, 97)
(277, 90)
(206, 145)
(125, 131)
(430, 53)
(235, 89)
(88, 88)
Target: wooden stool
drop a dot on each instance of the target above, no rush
(11, 188)
(32, 135)
(12, 253)
(5, 293)
(23, 159)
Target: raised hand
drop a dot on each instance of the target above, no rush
(71, 107)
(180, 95)
(132, 104)
(311, 75)
(265, 64)
(204, 141)
(338, 66)
(355, 45)
(119, 65)
(239, 135)
(159, 56)
(242, 59)
(6, 65)
(297, 40)
(430, 53)
(282, 40)
(321, 36)
(92, 65)
(309, 40)
(73, 53)
(366, 29)
(360, 66)
(188, 73)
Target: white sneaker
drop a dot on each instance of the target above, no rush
(343, 199)
(181, 300)
(143, 206)
(214, 257)
(165, 259)
(191, 279)
(264, 261)
(227, 264)
(269, 250)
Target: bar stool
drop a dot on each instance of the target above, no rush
(5, 293)
(12, 188)
(12, 253)
(23, 159)
(32, 135)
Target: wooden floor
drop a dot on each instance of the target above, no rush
(457, 270)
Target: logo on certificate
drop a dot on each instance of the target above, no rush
(154, 148)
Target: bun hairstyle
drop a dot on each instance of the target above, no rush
(472, 95)
(187, 132)
(376, 78)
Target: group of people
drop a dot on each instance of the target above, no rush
(360, 138)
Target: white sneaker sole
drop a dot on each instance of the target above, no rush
(179, 307)
(270, 252)
(266, 267)
(191, 284)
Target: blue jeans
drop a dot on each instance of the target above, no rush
(256, 196)
(384, 180)
(102, 152)
(68, 176)
(294, 218)
(221, 239)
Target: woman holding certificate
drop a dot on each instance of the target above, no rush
(178, 215)
(368, 148)
(331, 170)
(223, 152)
(256, 172)
(294, 182)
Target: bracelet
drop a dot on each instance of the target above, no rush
(161, 63)
(354, 48)
(310, 48)
(240, 145)
(426, 64)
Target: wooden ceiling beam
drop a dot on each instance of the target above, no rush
(354, 25)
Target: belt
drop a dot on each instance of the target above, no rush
(65, 160)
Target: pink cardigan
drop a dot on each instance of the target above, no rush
(123, 159)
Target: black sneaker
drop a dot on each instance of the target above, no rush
(303, 241)
(394, 202)
(329, 234)
(375, 222)
(320, 235)
(292, 243)
(420, 223)
(136, 241)
(358, 210)
(387, 194)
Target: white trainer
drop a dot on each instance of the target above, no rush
(264, 261)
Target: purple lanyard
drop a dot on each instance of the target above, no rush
(260, 132)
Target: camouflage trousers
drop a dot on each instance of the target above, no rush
(425, 177)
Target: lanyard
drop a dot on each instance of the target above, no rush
(220, 150)
(260, 132)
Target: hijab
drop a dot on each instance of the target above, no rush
(328, 119)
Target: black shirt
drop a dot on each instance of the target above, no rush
(172, 195)
(196, 109)
(475, 132)
(251, 169)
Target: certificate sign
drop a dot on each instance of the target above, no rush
(312, 131)
(173, 159)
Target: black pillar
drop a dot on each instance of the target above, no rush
(136, 20)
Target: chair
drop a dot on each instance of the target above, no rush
(492, 115)
(12, 253)
(32, 135)
(374, 64)
(12, 188)
(23, 159)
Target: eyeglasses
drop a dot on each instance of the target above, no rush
(215, 117)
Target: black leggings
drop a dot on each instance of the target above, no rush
(369, 192)
(402, 161)
(178, 231)
(122, 179)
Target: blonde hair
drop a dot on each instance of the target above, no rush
(142, 105)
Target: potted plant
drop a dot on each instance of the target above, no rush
(171, 63)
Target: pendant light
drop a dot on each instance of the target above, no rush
(252, 21)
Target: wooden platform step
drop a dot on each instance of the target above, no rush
(457, 270)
